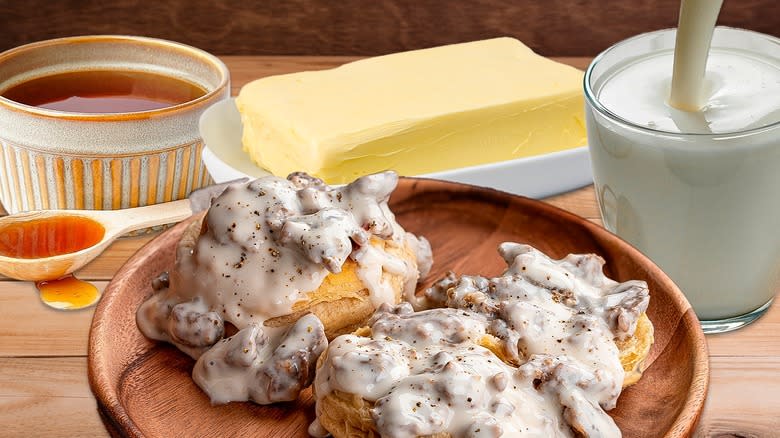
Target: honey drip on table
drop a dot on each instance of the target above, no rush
(68, 293)
(49, 237)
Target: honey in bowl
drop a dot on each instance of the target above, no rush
(49, 237)
(104, 91)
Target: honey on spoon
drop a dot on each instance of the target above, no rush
(47, 246)
(50, 237)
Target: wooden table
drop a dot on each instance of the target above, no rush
(43, 364)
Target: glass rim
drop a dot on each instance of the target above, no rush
(593, 101)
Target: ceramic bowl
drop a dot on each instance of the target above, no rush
(66, 160)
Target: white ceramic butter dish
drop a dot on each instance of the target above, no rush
(536, 177)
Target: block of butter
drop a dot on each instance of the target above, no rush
(414, 112)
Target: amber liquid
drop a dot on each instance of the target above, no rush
(104, 91)
(49, 237)
(40, 238)
(68, 293)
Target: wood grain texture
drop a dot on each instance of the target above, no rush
(30, 328)
(135, 379)
(49, 417)
(47, 397)
(44, 377)
(362, 27)
(732, 379)
(760, 339)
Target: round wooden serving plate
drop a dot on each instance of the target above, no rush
(144, 388)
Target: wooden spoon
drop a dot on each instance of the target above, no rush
(114, 223)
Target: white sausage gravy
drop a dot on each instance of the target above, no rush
(263, 245)
(553, 322)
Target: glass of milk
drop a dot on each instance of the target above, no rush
(697, 192)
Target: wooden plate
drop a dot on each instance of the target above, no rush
(144, 388)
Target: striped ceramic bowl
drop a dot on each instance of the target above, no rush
(61, 160)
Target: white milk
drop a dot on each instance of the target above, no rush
(698, 199)
(742, 92)
(691, 49)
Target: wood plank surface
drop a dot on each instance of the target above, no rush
(43, 383)
(362, 27)
(743, 399)
(47, 396)
(29, 328)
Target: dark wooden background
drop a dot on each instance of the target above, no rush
(362, 27)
